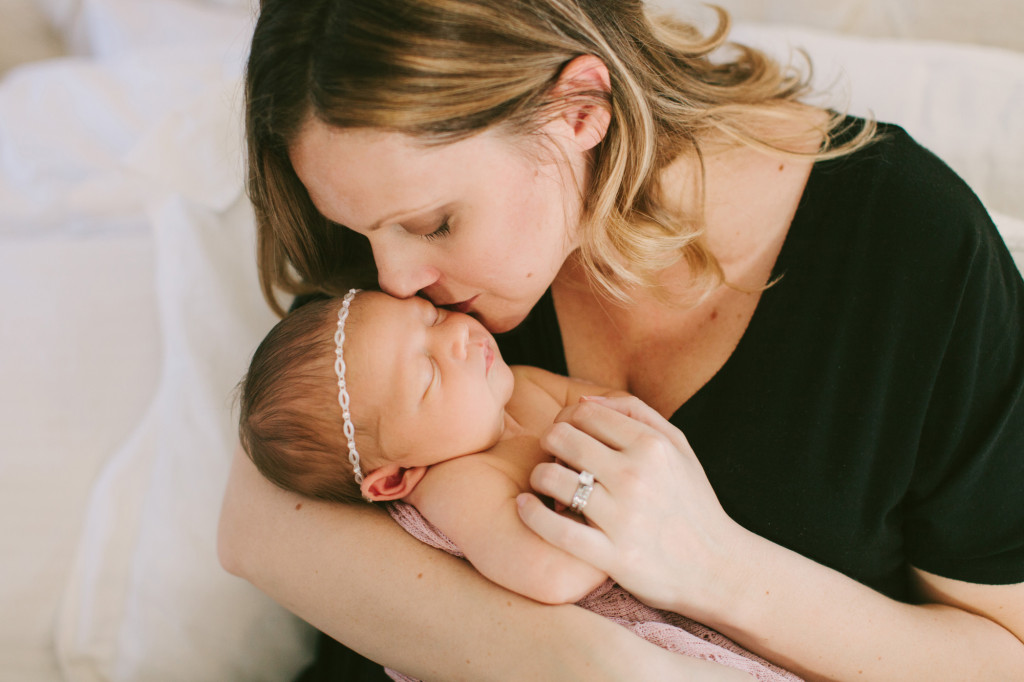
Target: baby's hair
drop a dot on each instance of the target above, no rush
(290, 423)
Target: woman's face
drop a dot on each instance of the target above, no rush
(478, 225)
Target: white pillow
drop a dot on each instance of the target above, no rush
(147, 598)
(115, 27)
(79, 353)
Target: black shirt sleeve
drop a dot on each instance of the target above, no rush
(965, 506)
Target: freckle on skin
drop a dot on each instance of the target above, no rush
(714, 314)
(781, 166)
(419, 575)
(298, 506)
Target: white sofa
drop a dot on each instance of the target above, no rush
(131, 303)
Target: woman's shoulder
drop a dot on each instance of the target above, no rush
(896, 195)
(896, 171)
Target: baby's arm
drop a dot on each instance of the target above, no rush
(472, 501)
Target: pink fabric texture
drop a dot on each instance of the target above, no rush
(668, 630)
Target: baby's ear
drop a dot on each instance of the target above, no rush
(391, 482)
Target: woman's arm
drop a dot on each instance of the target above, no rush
(354, 574)
(660, 532)
(971, 632)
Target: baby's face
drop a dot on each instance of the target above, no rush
(432, 379)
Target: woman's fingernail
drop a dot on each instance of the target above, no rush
(591, 397)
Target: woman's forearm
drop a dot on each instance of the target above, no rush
(824, 625)
(352, 573)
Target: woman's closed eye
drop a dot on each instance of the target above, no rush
(440, 233)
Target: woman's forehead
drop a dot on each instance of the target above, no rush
(364, 177)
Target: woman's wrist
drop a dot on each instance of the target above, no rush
(735, 568)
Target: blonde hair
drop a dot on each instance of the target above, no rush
(443, 70)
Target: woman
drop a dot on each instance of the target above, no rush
(821, 322)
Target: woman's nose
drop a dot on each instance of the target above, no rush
(401, 272)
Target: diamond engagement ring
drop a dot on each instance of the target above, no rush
(583, 490)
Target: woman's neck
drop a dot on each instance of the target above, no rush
(656, 346)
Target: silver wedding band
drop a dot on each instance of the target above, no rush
(583, 490)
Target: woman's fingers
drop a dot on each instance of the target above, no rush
(572, 444)
(614, 428)
(560, 484)
(610, 413)
(652, 512)
(576, 538)
(593, 434)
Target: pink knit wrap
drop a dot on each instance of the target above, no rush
(668, 630)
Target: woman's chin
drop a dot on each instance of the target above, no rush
(500, 323)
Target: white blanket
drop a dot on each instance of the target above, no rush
(131, 308)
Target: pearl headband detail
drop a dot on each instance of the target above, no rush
(343, 398)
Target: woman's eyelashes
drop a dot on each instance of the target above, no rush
(440, 233)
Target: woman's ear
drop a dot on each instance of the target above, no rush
(391, 482)
(585, 118)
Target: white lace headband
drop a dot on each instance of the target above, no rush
(343, 399)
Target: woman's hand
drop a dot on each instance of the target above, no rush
(654, 523)
(656, 527)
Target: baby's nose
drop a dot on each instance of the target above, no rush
(460, 340)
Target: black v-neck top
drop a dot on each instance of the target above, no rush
(872, 414)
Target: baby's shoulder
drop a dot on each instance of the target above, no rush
(528, 374)
(537, 398)
(534, 383)
(506, 466)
